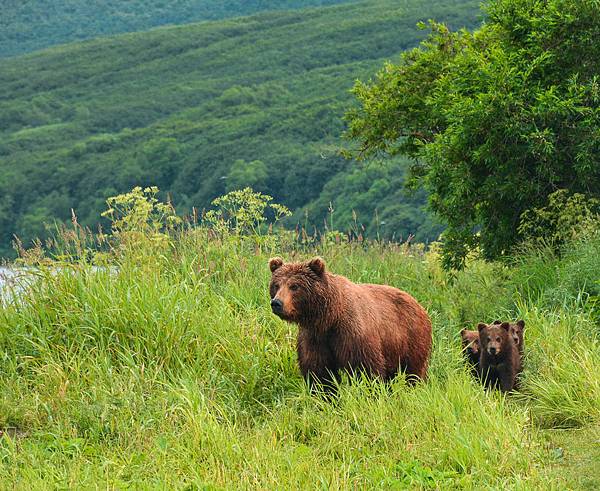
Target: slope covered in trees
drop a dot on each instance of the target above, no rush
(198, 109)
(36, 24)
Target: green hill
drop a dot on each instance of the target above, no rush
(36, 24)
(198, 109)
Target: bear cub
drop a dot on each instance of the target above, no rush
(375, 329)
(516, 332)
(471, 349)
(500, 360)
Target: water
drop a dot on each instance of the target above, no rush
(8, 276)
(16, 280)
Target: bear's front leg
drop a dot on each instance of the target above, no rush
(489, 377)
(317, 363)
(506, 379)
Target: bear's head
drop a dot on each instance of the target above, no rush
(494, 338)
(516, 331)
(470, 342)
(298, 290)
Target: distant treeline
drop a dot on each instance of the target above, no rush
(201, 109)
(35, 24)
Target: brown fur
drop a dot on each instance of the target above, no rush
(516, 331)
(500, 361)
(377, 329)
(471, 349)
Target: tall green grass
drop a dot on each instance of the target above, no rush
(168, 370)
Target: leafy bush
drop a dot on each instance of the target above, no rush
(243, 212)
(139, 214)
(496, 119)
(565, 217)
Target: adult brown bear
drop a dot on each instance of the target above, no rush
(376, 329)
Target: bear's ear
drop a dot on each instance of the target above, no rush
(521, 324)
(505, 326)
(317, 265)
(275, 263)
(496, 322)
(462, 332)
(481, 326)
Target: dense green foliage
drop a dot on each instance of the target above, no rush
(167, 369)
(497, 119)
(200, 109)
(371, 200)
(564, 217)
(35, 24)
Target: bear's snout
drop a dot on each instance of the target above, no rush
(492, 350)
(277, 306)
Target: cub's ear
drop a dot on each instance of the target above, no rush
(521, 324)
(275, 263)
(317, 265)
(462, 332)
(496, 322)
(505, 326)
(481, 326)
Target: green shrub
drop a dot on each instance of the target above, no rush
(565, 217)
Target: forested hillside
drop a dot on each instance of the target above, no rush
(35, 24)
(200, 109)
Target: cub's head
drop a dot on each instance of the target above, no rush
(297, 289)
(494, 338)
(470, 342)
(516, 332)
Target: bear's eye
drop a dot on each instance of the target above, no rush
(275, 286)
(294, 287)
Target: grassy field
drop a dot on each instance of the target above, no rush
(169, 371)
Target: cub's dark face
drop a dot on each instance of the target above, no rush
(294, 288)
(470, 343)
(494, 338)
(516, 331)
